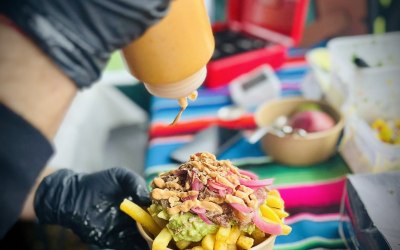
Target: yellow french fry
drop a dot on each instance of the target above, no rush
(274, 192)
(162, 240)
(208, 242)
(233, 235)
(223, 234)
(245, 242)
(275, 202)
(280, 212)
(285, 228)
(140, 215)
(197, 248)
(182, 244)
(267, 212)
(220, 245)
(232, 247)
(258, 236)
(160, 222)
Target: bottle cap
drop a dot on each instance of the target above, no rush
(178, 89)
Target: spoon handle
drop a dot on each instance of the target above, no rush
(256, 136)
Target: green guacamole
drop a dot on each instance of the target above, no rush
(186, 226)
(189, 227)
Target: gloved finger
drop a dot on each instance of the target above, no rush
(133, 185)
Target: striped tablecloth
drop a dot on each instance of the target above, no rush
(312, 194)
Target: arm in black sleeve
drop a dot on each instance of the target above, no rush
(80, 35)
(24, 152)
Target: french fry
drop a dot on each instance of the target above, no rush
(280, 212)
(220, 245)
(197, 248)
(274, 201)
(274, 192)
(258, 236)
(267, 212)
(222, 234)
(182, 244)
(208, 242)
(140, 215)
(231, 247)
(285, 228)
(245, 242)
(162, 240)
(160, 222)
(233, 235)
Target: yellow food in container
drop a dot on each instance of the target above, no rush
(213, 205)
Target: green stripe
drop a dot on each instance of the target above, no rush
(313, 243)
(284, 175)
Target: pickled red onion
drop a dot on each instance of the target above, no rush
(252, 176)
(205, 219)
(198, 210)
(241, 208)
(216, 185)
(256, 183)
(266, 227)
(196, 184)
(201, 213)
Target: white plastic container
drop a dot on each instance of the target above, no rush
(365, 94)
(381, 52)
(375, 94)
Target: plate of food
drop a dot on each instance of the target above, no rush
(209, 204)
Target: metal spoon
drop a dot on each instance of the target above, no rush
(278, 123)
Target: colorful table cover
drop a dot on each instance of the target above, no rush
(312, 194)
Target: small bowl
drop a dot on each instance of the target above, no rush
(295, 150)
(267, 244)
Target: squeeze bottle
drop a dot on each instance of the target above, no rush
(170, 57)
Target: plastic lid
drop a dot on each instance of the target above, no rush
(179, 89)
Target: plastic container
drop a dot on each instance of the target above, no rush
(267, 244)
(366, 94)
(273, 25)
(379, 51)
(377, 96)
(171, 57)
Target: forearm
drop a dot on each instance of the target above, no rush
(30, 84)
(28, 211)
(34, 97)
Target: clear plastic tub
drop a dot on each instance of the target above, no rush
(375, 95)
(366, 94)
(380, 52)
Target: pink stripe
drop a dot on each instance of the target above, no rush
(321, 194)
(294, 64)
(312, 217)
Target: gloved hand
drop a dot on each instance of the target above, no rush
(89, 205)
(79, 35)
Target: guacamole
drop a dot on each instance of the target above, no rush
(189, 227)
(186, 226)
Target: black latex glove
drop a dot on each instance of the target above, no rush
(79, 35)
(89, 205)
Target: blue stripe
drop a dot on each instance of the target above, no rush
(305, 229)
(160, 154)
